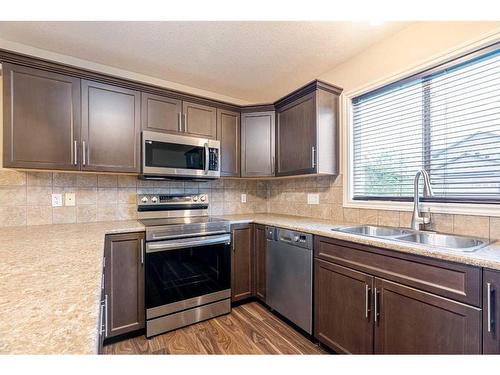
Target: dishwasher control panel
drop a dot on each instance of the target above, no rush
(304, 240)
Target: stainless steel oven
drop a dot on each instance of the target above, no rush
(179, 156)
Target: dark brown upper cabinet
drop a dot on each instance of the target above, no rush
(241, 262)
(161, 114)
(257, 144)
(307, 131)
(41, 123)
(199, 120)
(110, 128)
(228, 133)
(491, 312)
(124, 307)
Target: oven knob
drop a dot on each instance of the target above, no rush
(296, 238)
(154, 199)
(144, 199)
(203, 198)
(195, 198)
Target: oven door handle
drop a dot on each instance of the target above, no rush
(187, 242)
(207, 158)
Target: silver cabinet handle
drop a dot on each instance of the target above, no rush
(75, 152)
(185, 122)
(367, 300)
(84, 154)
(488, 292)
(313, 155)
(375, 304)
(106, 315)
(142, 251)
(101, 322)
(207, 158)
(272, 166)
(179, 121)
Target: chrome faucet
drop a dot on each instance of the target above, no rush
(417, 218)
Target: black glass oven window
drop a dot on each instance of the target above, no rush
(176, 275)
(174, 155)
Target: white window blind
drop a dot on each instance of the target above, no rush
(446, 120)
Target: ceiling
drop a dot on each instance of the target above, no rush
(257, 62)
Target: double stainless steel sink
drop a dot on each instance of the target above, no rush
(432, 239)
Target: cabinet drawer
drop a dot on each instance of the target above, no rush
(452, 280)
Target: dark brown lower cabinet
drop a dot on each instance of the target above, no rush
(491, 312)
(410, 321)
(241, 262)
(123, 284)
(260, 261)
(343, 316)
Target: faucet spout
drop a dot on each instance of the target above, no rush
(417, 219)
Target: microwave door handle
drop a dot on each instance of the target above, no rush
(182, 244)
(207, 157)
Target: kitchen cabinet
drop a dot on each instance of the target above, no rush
(124, 283)
(241, 262)
(110, 128)
(161, 114)
(491, 312)
(259, 258)
(307, 131)
(228, 133)
(257, 144)
(199, 120)
(343, 313)
(41, 123)
(410, 321)
(370, 299)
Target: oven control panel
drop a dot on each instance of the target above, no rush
(166, 199)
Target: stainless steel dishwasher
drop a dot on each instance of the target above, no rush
(289, 263)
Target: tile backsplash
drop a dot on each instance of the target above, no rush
(25, 199)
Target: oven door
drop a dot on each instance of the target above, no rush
(186, 273)
(178, 156)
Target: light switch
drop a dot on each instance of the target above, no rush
(69, 199)
(312, 198)
(243, 198)
(57, 200)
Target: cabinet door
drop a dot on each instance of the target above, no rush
(161, 114)
(124, 283)
(260, 261)
(343, 316)
(409, 321)
(228, 133)
(110, 128)
(257, 144)
(491, 312)
(296, 137)
(41, 124)
(199, 120)
(241, 262)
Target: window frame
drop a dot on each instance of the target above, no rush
(431, 66)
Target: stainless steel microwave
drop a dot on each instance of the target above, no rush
(179, 156)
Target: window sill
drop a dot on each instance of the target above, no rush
(442, 208)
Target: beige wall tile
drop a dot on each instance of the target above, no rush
(388, 218)
(85, 196)
(39, 196)
(127, 212)
(64, 179)
(405, 219)
(39, 215)
(107, 212)
(107, 181)
(127, 181)
(107, 196)
(127, 196)
(337, 215)
(441, 223)
(351, 215)
(9, 177)
(64, 215)
(39, 178)
(471, 225)
(337, 195)
(495, 228)
(86, 213)
(13, 196)
(321, 211)
(368, 216)
(86, 180)
(12, 216)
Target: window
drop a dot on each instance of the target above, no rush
(445, 120)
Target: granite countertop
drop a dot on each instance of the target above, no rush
(488, 256)
(50, 282)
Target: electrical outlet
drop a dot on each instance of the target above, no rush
(312, 198)
(243, 198)
(57, 200)
(69, 199)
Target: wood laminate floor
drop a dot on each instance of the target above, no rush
(248, 329)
